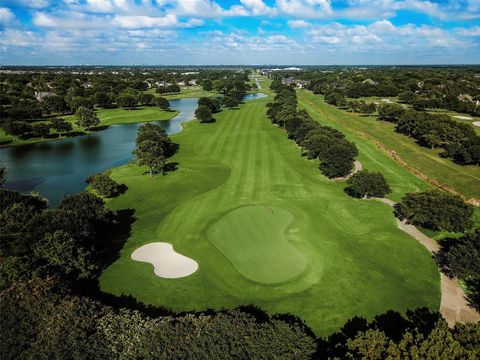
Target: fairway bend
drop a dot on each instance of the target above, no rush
(453, 305)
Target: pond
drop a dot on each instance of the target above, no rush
(59, 167)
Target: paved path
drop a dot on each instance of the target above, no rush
(453, 306)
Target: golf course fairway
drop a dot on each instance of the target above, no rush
(267, 228)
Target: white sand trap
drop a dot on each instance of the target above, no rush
(476, 123)
(463, 117)
(167, 263)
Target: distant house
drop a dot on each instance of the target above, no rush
(369, 81)
(289, 81)
(294, 82)
(40, 95)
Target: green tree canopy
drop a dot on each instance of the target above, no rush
(367, 184)
(437, 210)
(86, 117)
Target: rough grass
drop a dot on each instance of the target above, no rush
(358, 262)
(367, 132)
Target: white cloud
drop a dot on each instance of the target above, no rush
(257, 7)
(6, 15)
(305, 8)
(298, 24)
(139, 22)
(471, 31)
(70, 20)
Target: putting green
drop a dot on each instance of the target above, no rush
(253, 239)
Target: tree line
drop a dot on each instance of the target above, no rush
(455, 89)
(233, 89)
(33, 102)
(459, 141)
(335, 152)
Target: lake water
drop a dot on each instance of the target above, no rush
(59, 167)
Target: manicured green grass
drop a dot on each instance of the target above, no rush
(107, 117)
(253, 239)
(358, 263)
(366, 131)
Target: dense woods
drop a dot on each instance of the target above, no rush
(336, 154)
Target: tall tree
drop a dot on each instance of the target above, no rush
(86, 117)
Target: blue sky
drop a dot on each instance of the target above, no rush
(166, 32)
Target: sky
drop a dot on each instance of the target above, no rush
(239, 32)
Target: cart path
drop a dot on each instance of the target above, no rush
(454, 306)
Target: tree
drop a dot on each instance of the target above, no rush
(157, 134)
(104, 185)
(127, 100)
(103, 99)
(54, 104)
(390, 112)
(461, 257)
(367, 184)
(146, 99)
(60, 125)
(19, 227)
(3, 176)
(17, 128)
(151, 154)
(337, 161)
(204, 114)
(60, 250)
(86, 117)
(437, 210)
(207, 85)
(40, 130)
(230, 102)
(213, 104)
(367, 108)
(162, 103)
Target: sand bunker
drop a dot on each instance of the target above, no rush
(166, 262)
(476, 123)
(463, 117)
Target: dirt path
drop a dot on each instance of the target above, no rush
(453, 306)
